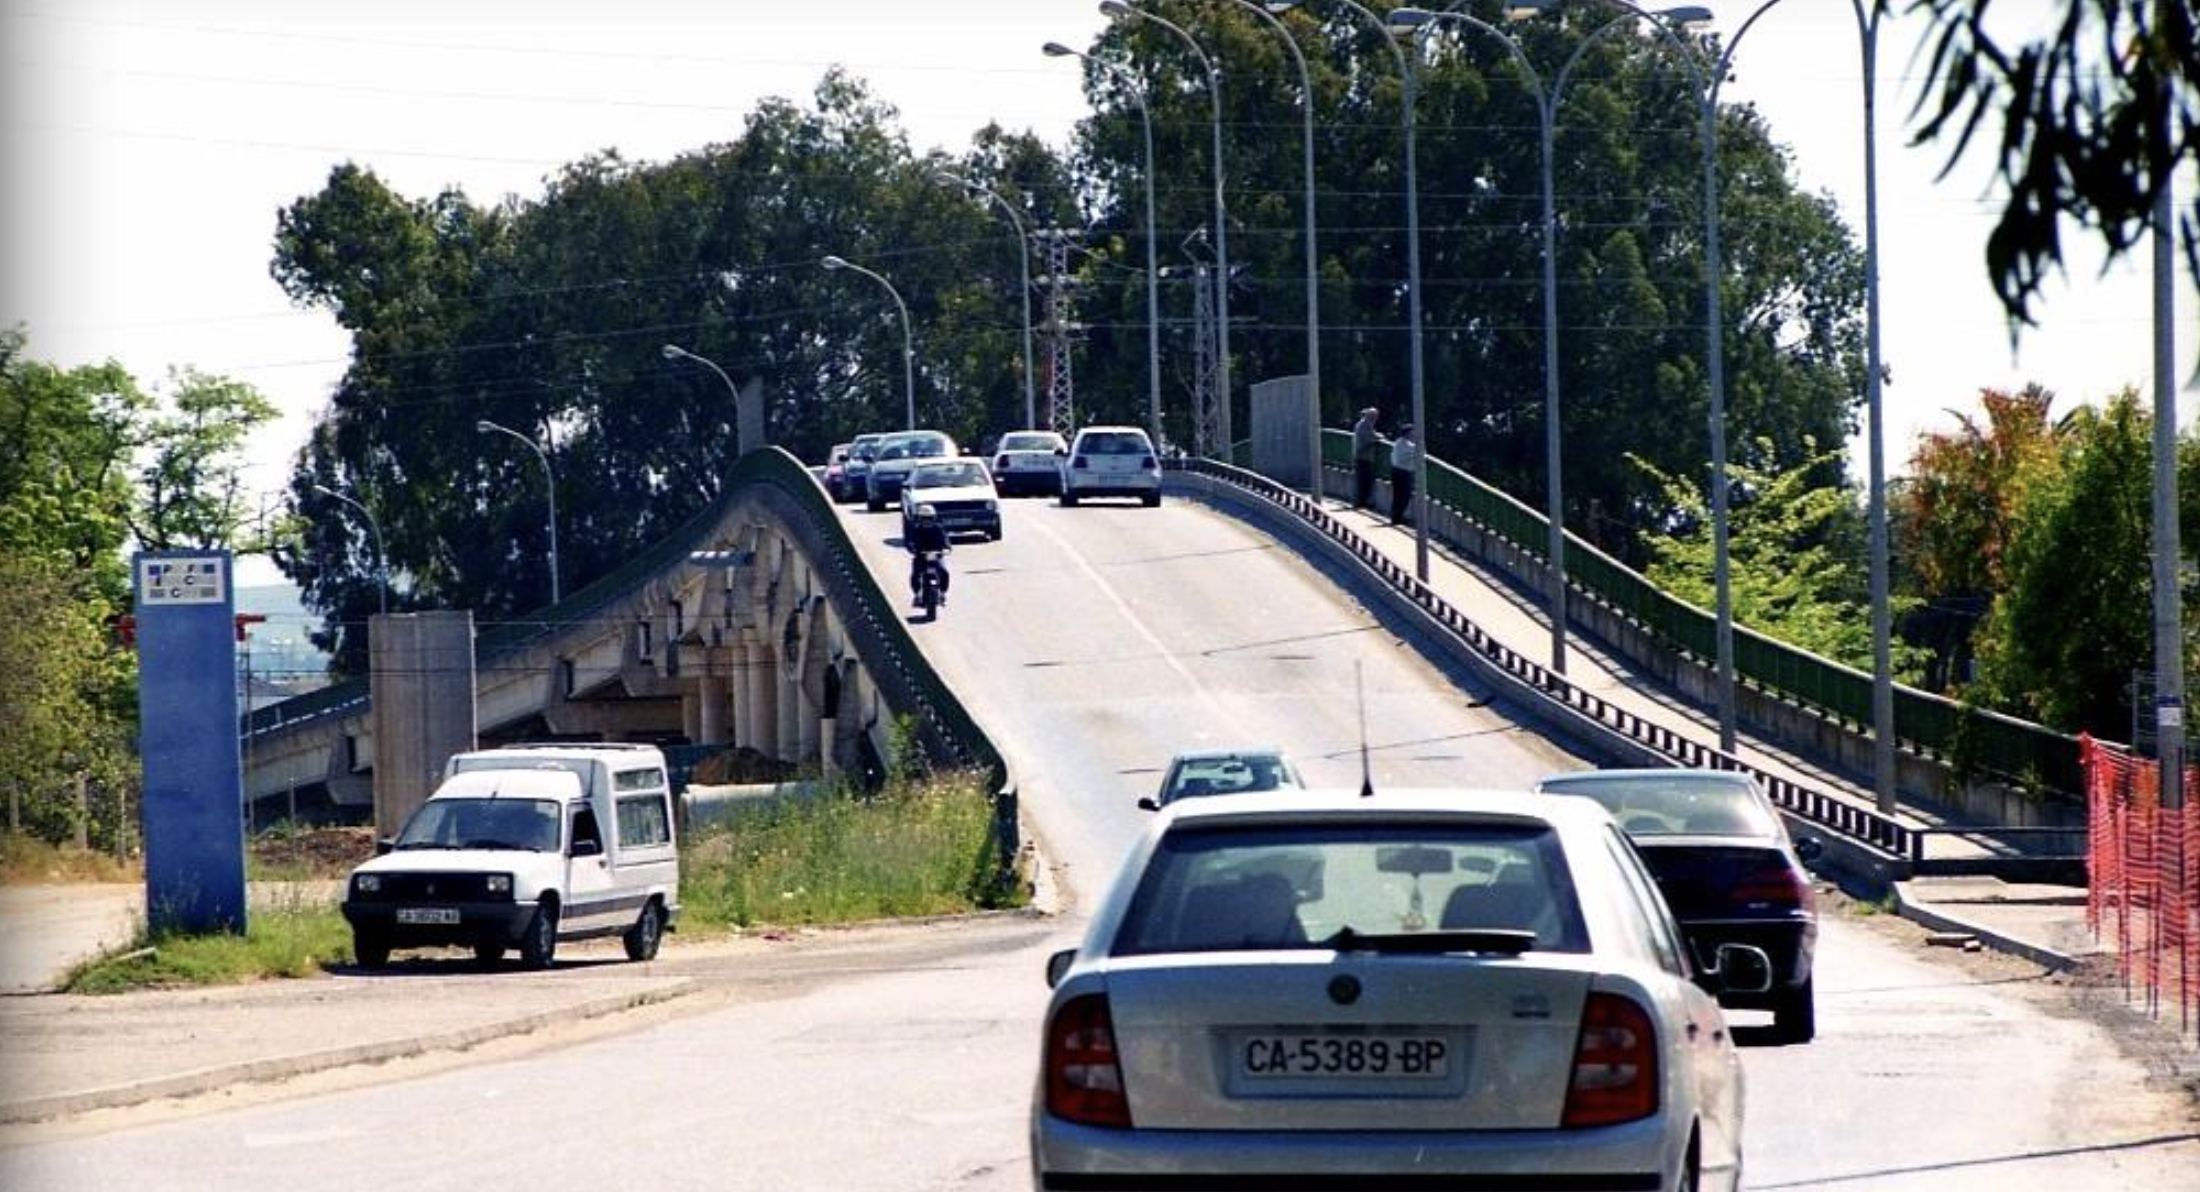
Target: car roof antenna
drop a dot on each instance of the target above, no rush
(1367, 775)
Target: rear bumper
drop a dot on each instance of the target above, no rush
(1048, 480)
(1639, 1156)
(1122, 484)
(503, 921)
(884, 488)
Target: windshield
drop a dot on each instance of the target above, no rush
(1228, 775)
(1657, 805)
(1235, 888)
(947, 476)
(1029, 442)
(527, 824)
(1116, 442)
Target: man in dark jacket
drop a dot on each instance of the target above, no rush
(928, 546)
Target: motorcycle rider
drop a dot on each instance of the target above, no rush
(928, 546)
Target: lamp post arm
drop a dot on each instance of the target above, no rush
(1023, 287)
(381, 557)
(908, 340)
(550, 486)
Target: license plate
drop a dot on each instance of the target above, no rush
(1344, 1057)
(428, 914)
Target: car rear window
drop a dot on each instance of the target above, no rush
(947, 476)
(1654, 805)
(1040, 442)
(1229, 888)
(1114, 442)
(1229, 776)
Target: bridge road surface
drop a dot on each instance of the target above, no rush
(1093, 642)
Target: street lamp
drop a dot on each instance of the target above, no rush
(381, 558)
(550, 484)
(1546, 106)
(1137, 88)
(1406, 101)
(908, 340)
(1023, 254)
(1117, 10)
(676, 352)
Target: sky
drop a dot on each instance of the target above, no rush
(146, 146)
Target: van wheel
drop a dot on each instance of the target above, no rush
(371, 951)
(648, 931)
(540, 945)
(1153, 500)
(1069, 499)
(489, 953)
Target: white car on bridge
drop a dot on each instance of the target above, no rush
(958, 491)
(1318, 989)
(1111, 461)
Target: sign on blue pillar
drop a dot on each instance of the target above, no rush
(187, 739)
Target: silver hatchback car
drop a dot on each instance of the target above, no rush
(1411, 990)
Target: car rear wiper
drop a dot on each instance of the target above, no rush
(1492, 939)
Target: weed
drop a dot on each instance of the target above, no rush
(294, 940)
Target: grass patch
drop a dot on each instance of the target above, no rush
(922, 846)
(289, 941)
(25, 860)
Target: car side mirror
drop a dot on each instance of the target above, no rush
(588, 848)
(1058, 966)
(384, 844)
(1743, 968)
(1148, 803)
(1810, 848)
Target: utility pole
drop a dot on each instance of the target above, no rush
(1059, 330)
(2169, 661)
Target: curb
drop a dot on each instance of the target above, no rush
(206, 1080)
(1923, 914)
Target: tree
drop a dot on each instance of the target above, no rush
(1796, 559)
(2072, 622)
(190, 483)
(2096, 118)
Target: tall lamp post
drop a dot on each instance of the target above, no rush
(1546, 106)
(1023, 277)
(550, 484)
(908, 338)
(381, 558)
(1407, 83)
(1117, 10)
(676, 352)
(1137, 89)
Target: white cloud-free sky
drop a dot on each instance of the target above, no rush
(146, 147)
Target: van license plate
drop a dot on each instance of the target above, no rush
(426, 914)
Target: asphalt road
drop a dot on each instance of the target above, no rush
(1095, 642)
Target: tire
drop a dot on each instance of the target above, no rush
(539, 947)
(489, 953)
(993, 535)
(1795, 1013)
(905, 529)
(1153, 500)
(371, 951)
(648, 932)
(873, 504)
(1069, 499)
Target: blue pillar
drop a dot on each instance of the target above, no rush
(187, 741)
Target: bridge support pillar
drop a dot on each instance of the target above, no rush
(761, 681)
(828, 731)
(790, 715)
(711, 715)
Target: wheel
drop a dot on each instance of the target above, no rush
(1069, 499)
(488, 953)
(928, 599)
(993, 535)
(647, 933)
(1795, 1013)
(906, 528)
(1153, 500)
(874, 505)
(372, 951)
(540, 945)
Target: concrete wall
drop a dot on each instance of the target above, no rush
(422, 678)
(1286, 431)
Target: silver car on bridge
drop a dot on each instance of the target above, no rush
(1427, 989)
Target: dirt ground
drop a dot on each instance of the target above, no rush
(313, 852)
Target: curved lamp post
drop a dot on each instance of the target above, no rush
(1118, 10)
(676, 352)
(1137, 89)
(908, 339)
(550, 483)
(1023, 254)
(381, 558)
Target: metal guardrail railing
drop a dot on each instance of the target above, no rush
(1931, 724)
(1835, 814)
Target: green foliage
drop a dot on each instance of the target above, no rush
(67, 705)
(191, 484)
(917, 848)
(1795, 559)
(284, 941)
(2073, 621)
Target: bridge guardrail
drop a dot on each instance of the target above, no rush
(1931, 724)
(1835, 814)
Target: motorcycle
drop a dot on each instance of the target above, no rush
(928, 585)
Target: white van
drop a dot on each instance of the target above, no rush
(522, 847)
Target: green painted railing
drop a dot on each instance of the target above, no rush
(2030, 754)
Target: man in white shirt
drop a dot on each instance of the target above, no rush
(1405, 462)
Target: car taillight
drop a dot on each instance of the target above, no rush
(1084, 1080)
(1615, 1064)
(1773, 884)
(1080, 462)
(1000, 464)
(1145, 463)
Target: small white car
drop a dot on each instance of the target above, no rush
(523, 847)
(958, 491)
(1111, 461)
(898, 455)
(1029, 461)
(1224, 772)
(1428, 989)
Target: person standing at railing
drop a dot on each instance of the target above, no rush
(1367, 453)
(1405, 460)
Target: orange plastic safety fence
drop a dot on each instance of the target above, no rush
(2143, 877)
